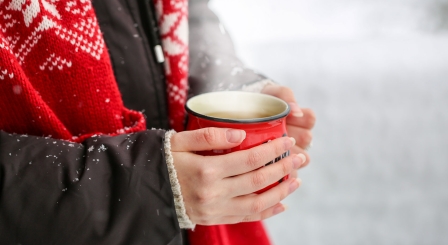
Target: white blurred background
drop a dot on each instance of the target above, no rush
(376, 74)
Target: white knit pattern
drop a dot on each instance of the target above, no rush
(172, 16)
(53, 17)
(5, 74)
(53, 62)
(182, 217)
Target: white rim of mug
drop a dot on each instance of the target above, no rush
(241, 121)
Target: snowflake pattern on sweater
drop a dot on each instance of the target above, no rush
(26, 26)
(56, 76)
(172, 17)
(39, 16)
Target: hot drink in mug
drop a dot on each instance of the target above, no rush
(263, 117)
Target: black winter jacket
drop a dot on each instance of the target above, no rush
(57, 192)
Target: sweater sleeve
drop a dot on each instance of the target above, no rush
(214, 65)
(107, 190)
(182, 216)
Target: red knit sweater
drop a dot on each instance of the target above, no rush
(55, 74)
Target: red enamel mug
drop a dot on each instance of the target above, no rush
(263, 117)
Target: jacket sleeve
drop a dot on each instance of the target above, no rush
(107, 190)
(214, 65)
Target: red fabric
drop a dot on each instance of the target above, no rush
(56, 80)
(237, 234)
(172, 17)
(55, 73)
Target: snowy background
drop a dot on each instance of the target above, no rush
(376, 74)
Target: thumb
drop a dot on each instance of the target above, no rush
(207, 139)
(285, 94)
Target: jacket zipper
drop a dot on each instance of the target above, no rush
(156, 54)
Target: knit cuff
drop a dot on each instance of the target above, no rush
(256, 87)
(182, 217)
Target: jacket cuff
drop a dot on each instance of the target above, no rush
(256, 87)
(182, 216)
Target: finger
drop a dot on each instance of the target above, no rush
(294, 174)
(280, 92)
(241, 162)
(302, 136)
(285, 94)
(296, 111)
(263, 177)
(207, 139)
(276, 209)
(298, 150)
(307, 121)
(254, 204)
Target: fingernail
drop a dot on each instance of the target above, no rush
(293, 186)
(235, 136)
(297, 161)
(295, 110)
(309, 146)
(303, 157)
(291, 142)
(280, 208)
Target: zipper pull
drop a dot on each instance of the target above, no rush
(159, 53)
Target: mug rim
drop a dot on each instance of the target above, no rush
(241, 121)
